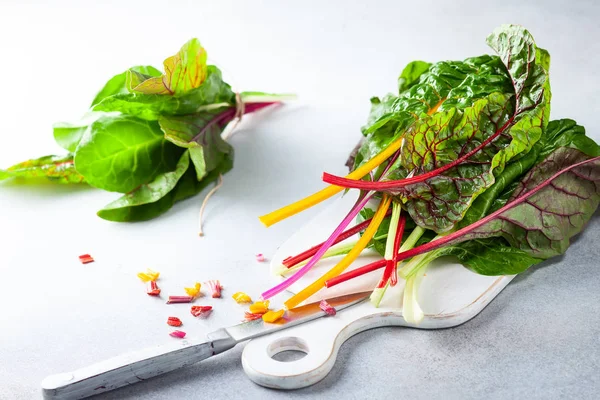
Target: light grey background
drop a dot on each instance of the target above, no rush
(538, 339)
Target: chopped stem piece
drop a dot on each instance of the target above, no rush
(86, 259)
(201, 311)
(347, 260)
(152, 289)
(179, 299)
(178, 334)
(241, 297)
(273, 316)
(216, 287)
(251, 317)
(260, 257)
(327, 308)
(260, 307)
(193, 291)
(174, 321)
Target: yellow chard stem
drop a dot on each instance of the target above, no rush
(347, 260)
(316, 198)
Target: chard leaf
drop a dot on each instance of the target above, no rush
(68, 135)
(129, 206)
(118, 84)
(184, 71)
(201, 134)
(213, 90)
(454, 155)
(187, 186)
(551, 204)
(491, 256)
(119, 153)
(59, 169)
(411, 74)
(445, 85)
(559, 133)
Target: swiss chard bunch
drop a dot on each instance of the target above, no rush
(155, 137)
(463, 161)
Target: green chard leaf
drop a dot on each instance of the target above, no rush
(59, 169)
(212, 91)
(120, 153)
(411, 73)
(201, 134)
(151, 200)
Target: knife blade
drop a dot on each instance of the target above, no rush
(135, 367)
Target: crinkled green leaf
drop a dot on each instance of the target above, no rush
(445, 85)
(55, 168)
(411, 74)
(120, 153)
(559, 133)
(118, 84)
(184, 71)
(548, 206)
(151, 106)
(516, 121)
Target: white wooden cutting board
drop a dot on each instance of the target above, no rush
(449, 295)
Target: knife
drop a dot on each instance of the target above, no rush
(138, 366)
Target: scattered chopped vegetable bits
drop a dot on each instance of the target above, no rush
(260, 307)
(152, 289)
(260, 257)
(215, 287)
(178, 334)
(325, 306)
(179, 299)
(149, 275)
(193, 291)
(251, 317)
(86, 258)
(201, 311)
(273, 316)
(174, 321)
(241, 297)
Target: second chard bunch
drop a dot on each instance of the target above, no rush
(155, 137)
(462, 161)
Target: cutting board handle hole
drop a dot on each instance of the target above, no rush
(287, 349)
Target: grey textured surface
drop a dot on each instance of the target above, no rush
(538, 339)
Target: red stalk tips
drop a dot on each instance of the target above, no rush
(305, 255)
(201, 311)
(179, 299)
(355, 273)
(152, 289)
(216, 287)
(396, 184)
(86, 259)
